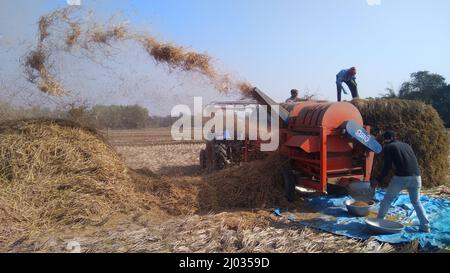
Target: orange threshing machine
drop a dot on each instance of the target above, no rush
(326, 143)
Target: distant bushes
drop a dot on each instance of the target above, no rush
(8, 112)
(120, 117)
(99, 116)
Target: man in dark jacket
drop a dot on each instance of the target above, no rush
(407, 176)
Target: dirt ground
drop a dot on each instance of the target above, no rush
(223, 231)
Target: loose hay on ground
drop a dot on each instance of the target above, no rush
(242, 232)
(256, 184)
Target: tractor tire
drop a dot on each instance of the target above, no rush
(203, 163)
(289, 184)
(221, 160)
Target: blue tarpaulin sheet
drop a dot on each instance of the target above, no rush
(338, 221)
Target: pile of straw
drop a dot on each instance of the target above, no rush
(417, 124)
(256, 184)
(56, 174)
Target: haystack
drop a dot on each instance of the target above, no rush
(417, 124)
(57, 174)
(254, 185)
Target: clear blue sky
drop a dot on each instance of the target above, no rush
(282, 44)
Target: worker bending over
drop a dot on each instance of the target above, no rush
(347, 76)
(407, 176)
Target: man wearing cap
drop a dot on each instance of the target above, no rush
(406, 177)
(347, 76)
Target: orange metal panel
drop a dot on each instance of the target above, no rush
(309, 144)
(338, 113)
(330, 115)
(337, 144)
(339, 163)
(323, 159)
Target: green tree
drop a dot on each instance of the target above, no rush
(426, 87)
(422, 81)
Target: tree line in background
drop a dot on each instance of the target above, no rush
(98, 116)
(426, 87)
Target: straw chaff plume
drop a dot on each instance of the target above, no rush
(36, 62)
(417, 124)
(37, 72)
(177, 57)
(246, 88)
(73, 35)
(107, 36)
(47, 21)
(89, 37)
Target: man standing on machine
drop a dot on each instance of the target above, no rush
(347, 76)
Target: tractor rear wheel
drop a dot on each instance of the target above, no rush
(221, 159)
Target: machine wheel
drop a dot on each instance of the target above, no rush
(289, 184)
(203, 159)
(221, 159)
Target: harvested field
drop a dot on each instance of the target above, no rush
(142, 137)
(224, 232)
(169, 159)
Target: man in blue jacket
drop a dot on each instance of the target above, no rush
(347, 76)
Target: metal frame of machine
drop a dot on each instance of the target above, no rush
(321, 169)
(221, 152)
